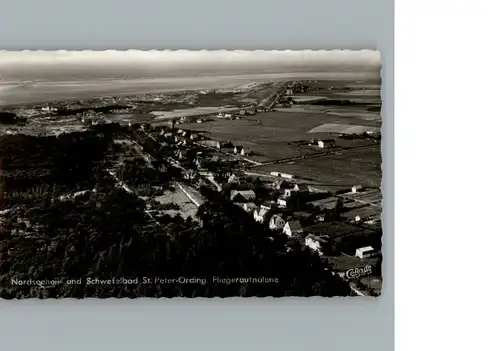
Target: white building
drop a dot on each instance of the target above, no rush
(326, 143)
(239, 150)
(314, 243)
(357, 188)
(293, 228)
(301, 188)
(276, 222)
(282, 202)
(210, 143)
(249, 207)
(259, 215)
(365, 252)
(282, 175)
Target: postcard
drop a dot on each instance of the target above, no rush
(127, 174)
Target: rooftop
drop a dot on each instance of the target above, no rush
(294, 225)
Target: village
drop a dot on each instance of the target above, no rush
(261, 156)
(344, 227)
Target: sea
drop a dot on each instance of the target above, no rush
(86, 86)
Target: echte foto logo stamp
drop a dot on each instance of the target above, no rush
(355, 273)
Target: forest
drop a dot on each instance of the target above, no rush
(106, 233)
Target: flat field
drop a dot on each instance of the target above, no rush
(277, 135)
(335, 172)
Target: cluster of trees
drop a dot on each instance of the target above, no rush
(137, 171)
(374, 136)
(52, 164)
(62, 111)
(109, 236)
(10, 118)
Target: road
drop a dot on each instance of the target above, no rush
(128, 190)
(192, 194)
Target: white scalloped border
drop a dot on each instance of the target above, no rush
(371, 57)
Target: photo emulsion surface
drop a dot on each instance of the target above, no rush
(190, 174)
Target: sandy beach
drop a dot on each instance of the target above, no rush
(25, 92)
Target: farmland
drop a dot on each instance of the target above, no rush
(275, 135)
(334, 172)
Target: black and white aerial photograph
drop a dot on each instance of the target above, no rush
(129, 174)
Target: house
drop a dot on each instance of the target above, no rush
(322, 143)
(211, 143)
(365, 252)
(357, 188)
(293, 228)
(373, 221)
(313, 142)
(282, 175)
(269, 205)
(200, 162)
(194, 136)
(283, 202)
(282, 184)
(189, 174)
(276, 222)
(223, 115)
(239, 150)
(187, 142)
(249, 207)
(315, 243)
(233, 179)
(242, 195)
(259, 215)
(301, 188)
(326, 143)
(320, 218)
(289, 91)
(181, 154)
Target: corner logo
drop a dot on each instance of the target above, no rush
(355, 273)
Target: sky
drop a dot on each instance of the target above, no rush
(131, 64)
